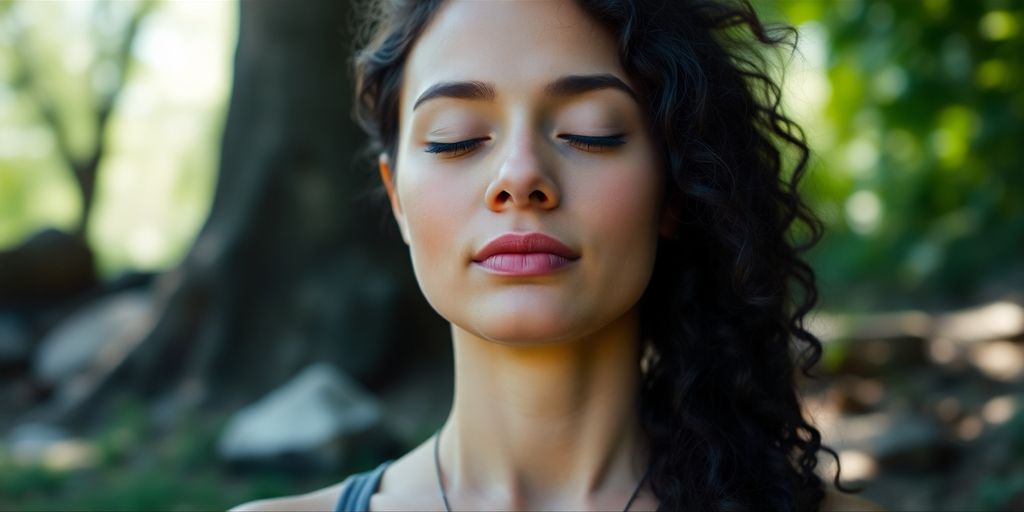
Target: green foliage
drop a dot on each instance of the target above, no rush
(60, 71)
(28, 481)
(917, 147)
(915, 115)
(995, 493)
(141, 468)
(1003, 487)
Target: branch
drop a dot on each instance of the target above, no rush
(84, 169)
(123, 58)
(26, 79)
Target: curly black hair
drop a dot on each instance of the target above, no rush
(723, 315)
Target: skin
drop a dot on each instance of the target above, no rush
(544, 412)
(543, 415)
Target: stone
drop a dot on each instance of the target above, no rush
(305, 421)
(28, 442)
(98, 333)
(15, 344)
(50, 265)
(997, 320)
(901, 442)
(42, 444)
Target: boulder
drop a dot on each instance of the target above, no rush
(28, 443)
(15, 344)
(99, 333)
(48, 266)
(42, 444)
(305, 422)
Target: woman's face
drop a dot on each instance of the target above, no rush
(517, 118)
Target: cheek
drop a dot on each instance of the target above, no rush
(435, 211)
(432, 203)
(622, 212)
(428, 223)
(624, 204)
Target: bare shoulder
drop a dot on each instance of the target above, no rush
(398, 482)
(836, 501)
(324, 499)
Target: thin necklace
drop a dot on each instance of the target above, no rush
(444, 495)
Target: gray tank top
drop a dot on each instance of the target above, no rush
(357, 489)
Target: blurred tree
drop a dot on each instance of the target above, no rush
(293, 265)
(918, 150)
(51, 267)
(115, 30)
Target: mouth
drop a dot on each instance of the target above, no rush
(517, 254)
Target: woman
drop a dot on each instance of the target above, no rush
(593, 196)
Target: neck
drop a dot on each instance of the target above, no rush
(536, 426)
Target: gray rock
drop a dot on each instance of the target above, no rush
(306, 419)
(993, 321)
(99, 333)
(15, 345)
(30, 441)
(52, 447)
(901, 441)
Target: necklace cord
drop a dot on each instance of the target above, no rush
(437, 468)
(444, 495)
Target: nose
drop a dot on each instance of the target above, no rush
(523, 181)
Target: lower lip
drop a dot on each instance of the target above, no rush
(524, 264)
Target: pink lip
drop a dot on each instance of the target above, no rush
(525, 254)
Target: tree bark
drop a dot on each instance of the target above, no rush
(297, 261)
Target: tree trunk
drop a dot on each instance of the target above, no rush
(297, 261)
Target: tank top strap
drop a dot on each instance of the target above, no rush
(358, 488)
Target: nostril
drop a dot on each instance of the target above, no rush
(538, 195)
(503, 196)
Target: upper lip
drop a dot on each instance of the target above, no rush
(525, 243)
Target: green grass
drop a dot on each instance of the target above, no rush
(138, 469)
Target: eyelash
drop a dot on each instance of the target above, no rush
(593, 144)
(583, 142)
(453, 149)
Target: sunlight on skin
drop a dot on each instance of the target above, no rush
(547, 355)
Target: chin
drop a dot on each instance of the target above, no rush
(520, 337)
(527, 324)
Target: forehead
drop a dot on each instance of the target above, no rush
(518, 45)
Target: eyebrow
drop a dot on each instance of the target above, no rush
(570, 85)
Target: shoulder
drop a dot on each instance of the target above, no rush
(409, 483)
(836, 501)
(324, 499)
(394, 476)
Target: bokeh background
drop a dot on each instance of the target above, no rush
(203, 301)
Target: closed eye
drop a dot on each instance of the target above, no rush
(589, 143)
(593, 144)
(453, 149)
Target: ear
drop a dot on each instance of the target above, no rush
(389, 184)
